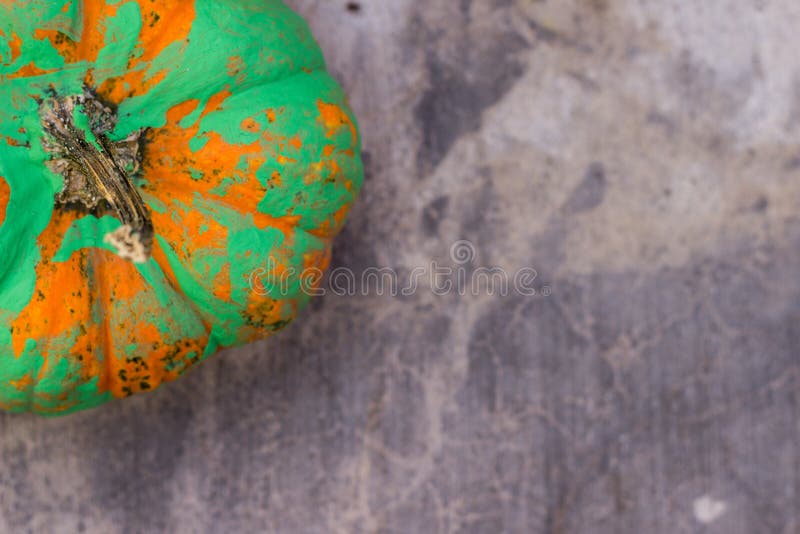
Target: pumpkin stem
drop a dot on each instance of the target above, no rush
(97, 171)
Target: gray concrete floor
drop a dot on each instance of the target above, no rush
(644, 158)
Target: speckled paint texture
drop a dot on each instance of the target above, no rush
(250, 162)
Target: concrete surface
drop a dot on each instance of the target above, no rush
(644, 158)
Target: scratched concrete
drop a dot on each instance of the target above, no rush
(644, 158)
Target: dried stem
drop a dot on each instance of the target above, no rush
(97, 172)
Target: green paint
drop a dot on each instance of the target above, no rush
(121, 39)
(82, 123)
(280, 68)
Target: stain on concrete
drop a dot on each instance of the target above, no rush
(433, 214)
(590, 192)
(459, 89)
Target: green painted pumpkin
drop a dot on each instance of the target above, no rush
(162, 164)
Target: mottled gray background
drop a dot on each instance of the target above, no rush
(642, 156)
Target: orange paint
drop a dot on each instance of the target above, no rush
(170, 23)
(23, 383)
(334, 119)
(91, 41)
(276, 180)
(236, 68)
(326, 230)
(169, 180)
(5, 195)
(59, 286)
(170, 157)
(222, 283)
(108, 280)
(251, 125)
(15, 46)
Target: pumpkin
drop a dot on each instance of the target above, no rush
(160, 161)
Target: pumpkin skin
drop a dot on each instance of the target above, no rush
(249, 160)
